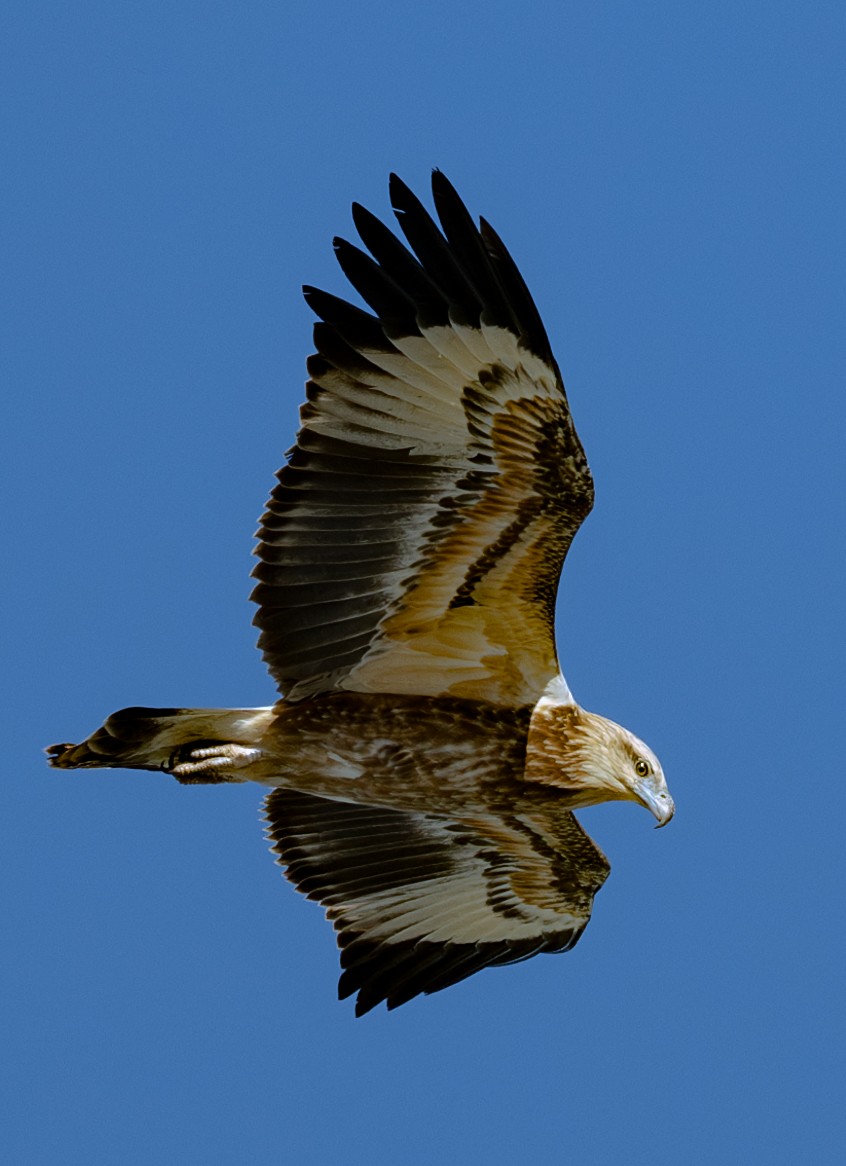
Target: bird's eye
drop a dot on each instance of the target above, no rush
(642, 768)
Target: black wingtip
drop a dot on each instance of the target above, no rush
(442, 185)
(401, 195)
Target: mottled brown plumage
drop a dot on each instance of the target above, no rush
(426, 755)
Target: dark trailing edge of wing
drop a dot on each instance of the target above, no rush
(398, 972)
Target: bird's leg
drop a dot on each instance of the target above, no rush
(210, 762)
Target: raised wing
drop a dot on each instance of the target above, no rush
(415, 539)
(420, 902)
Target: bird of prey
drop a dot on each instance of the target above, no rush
(426, 753)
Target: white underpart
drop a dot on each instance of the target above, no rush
(556, 693)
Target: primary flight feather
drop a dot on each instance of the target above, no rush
(426, 753)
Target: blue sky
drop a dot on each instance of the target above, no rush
(670, 179)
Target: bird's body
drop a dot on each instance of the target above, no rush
(427, 753)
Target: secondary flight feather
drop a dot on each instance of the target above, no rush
(426, 754)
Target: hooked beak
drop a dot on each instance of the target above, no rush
(656, 800)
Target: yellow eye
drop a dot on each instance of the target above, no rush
(642, 768)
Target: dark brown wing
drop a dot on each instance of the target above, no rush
(415, 539)
(420, 902)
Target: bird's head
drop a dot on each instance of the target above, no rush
(596, 759)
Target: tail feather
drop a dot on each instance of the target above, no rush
(147, 738)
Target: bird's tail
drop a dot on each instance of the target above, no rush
(142, 738)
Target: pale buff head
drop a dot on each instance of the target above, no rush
(594, 758)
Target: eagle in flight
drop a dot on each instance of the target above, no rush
(426, 755)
